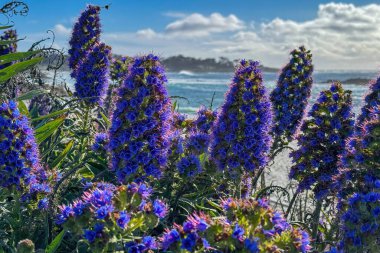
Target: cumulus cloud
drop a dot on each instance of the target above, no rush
(60, 29)
(146, 33)
(341, 36)
(198, 25)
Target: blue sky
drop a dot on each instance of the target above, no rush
(342, 35)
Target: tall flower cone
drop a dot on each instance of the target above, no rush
(240, 139)
(140, 131)
(290, 97)
(321, 141)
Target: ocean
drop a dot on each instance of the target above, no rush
(192, 90)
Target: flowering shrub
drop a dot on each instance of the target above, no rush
(108, 214)
(246, 226)
(240, 138)
(289, 98)
(86, 34)
(93, 74)
(139, 135)
(372, 101)
(205, 119)
(9, 35)
(191, 161)
(20, 167)
(360, 195)
(322, 141)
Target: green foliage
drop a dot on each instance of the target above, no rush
(9, 72)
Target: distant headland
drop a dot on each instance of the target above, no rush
(197, 65)
(357, 81)
(180, 63)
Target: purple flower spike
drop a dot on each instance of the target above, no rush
(372, 102)
(9, 35)
(240, 139)
(140, 131)
(359, 193)
(86, 33)
(19, 157)
(289, 98)
(322, 140)
(93, 74)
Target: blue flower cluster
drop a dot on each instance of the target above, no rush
(86, 33)
(322, 140)
(289, 98)
(240, 139)
(195, 145)
(119, 69)
(359, 195)
(179, 121)
(205, 119)
(100, 142)
(189, 165)
(105, 211)
(141, 123)
(20, 167)
(93, 74)
(244, 226)
(146, 244)
(372, 100)
(9, 35)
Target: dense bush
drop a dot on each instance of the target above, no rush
(113, 166)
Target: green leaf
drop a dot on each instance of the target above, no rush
(31, 94)
(9, 72)
(105, 118)
(23, 109)
(51, 115)
(86, 173)
(5, 27)
(17, 56)
(62, 156)
(53, 246)
(45, 131)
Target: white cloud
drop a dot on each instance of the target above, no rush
(60, 29)
(146, 33)
(341, 36)
(174, 14)
(198, 25)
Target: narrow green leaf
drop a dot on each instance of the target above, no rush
(31, 94)
(86, 172)
(63, 155)
(5, 27)
(51, 115)
(23, 109)
(45, 131)
(9, 72)
(105, 118)
(53, 246)
(17, 56)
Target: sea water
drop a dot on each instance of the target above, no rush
(191, 90)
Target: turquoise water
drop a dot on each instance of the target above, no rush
(199, 89)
